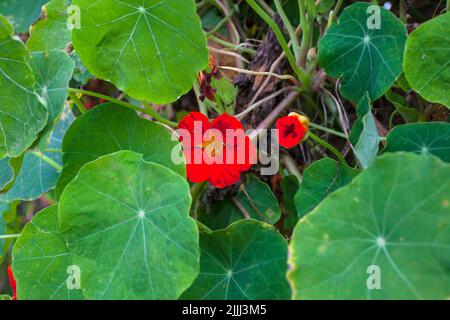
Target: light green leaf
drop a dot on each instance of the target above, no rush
(51, 32)
(368, 60)
(127, 225)
(257, 199)
(364, 135)
(4, 297)
(53, 71)
(246, 261)
(393, 216)
(151, 49)
(421, 138)
(41, 260)
(319, 180)
(427, 63)
(22, 117)
(22, 13)
(109, 128)
(408, 113)
(40, 170)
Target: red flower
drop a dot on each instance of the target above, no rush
(12, 283)
(291, 129)
(217, 151)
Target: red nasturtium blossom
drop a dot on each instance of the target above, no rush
(217, 151)
(12, 282)
(292, 129)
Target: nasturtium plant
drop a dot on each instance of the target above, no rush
(235, 263)
(431, 138)
(220, 150)
(367, 57)
(387, 217)
(121, 42)
(427, 65)
(126, 222)
(41, 260)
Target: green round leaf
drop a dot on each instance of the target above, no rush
(427, 63)
(22, 13)
(22, 117)
(40, 170)
(421, 138)
(51, 32)
(127, 225)
(393, 218)
(368, 60)
(319, 180)
(109, 128)
(150, 49)
(41, 260)
(246, 261)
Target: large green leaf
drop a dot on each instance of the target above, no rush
(52, 32)
(255, 197)
(151, 49)
(40, 170)
(394, 216)
(427, 63)
(127, 225)
(53, 71)
(22, 13)
(22, 117)
(421, 138)
(364, 135)
(368, 60)
(41, 260)
(319, 180)
(109, 128)
(246, 261)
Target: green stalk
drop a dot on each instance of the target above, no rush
(289, 28)
(47, 160)
(222, 22)
(327, 130)
(9, 236)
(77, 102)
(335, 12)
(230, 45)
(325, 144)
(448, 6)
(148, 111)
(302, 75)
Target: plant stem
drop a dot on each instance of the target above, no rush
(77, 102)
(47, 160)
(335, 12)
(448, 6)
(241, 208)
(232, 45)
(302, 75)
(148, 111)
(222, 22)
(330, 131)
(261, 73)
(289, 28)
(328, 146)
(9, 236)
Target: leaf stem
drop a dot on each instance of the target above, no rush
(148, 111)
(330, 131)
(9, 236)
(328, 146)
(80, 105)
(47, 160)
(302, 75)
(289, 27)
